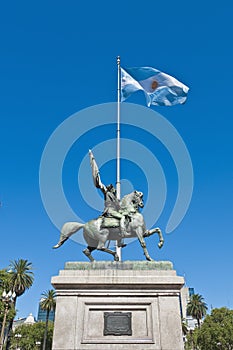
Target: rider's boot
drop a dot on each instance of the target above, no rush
(123, 233)
(121, 244)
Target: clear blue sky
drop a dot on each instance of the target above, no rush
(58, 58)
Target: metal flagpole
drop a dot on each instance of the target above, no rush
(118, 179)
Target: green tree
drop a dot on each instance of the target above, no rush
(21, 278)
(30, 336)
(47, 303)
(4, 277)
(197, 308)
(184, 326)
(216, 331)
(5, 309)
(191, 340)
(10, 313)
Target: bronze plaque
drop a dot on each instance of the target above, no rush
(117, 323)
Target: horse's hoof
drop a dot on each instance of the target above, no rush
(160, 244)
(62, 241)
(148, 258)
(57, 246)
(122, 245)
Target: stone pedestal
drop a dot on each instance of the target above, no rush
(118, 305)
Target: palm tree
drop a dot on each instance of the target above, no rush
(184, 326)
(196, 307)
(20, 278)
(47, 303)
(4, 280)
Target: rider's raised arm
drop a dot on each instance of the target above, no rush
(102, 187)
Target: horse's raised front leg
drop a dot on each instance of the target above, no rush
(159, 232)
(140, 236)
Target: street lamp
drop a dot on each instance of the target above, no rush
(7, 298)
(18, 337)
(38, 343)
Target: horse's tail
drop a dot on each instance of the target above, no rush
(68, 229)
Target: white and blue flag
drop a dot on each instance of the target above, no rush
(159, 88)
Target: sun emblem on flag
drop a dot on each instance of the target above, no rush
(154, 85)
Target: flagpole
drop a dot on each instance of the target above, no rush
(118, 177)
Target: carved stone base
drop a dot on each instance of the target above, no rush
(118, 305)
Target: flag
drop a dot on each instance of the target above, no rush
(95, 171)
(160, 89)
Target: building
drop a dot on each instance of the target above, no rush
(186, 293)
(25, 320)
(42, 315)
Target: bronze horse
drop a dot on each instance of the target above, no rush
(98, 231)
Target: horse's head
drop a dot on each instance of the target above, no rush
(133, 199)
(138, 199)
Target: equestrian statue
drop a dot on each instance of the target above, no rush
(120, 219)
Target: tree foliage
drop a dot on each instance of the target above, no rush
(5, 285)
(4, 280)
(21, 276)
(215, 333)
(48, 300)
(217, 330)
(30, 337)
(17, 279)
(47, 303)
(184, 326)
